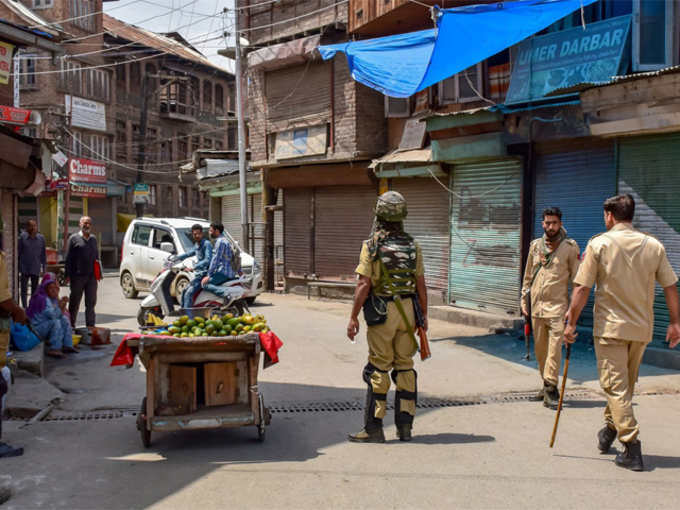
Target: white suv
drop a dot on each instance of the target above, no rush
(142, 257)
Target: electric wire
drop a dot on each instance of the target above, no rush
(122, 165)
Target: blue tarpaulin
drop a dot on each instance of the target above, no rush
(401, 65)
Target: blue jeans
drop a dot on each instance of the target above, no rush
(190, 292)
(214, 283)
(57, 333)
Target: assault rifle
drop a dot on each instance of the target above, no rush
(527, 327)
(425, 352)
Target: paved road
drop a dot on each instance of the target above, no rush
(488, 455)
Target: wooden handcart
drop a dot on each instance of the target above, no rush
(200, 383)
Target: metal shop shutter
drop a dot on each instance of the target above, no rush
(297, 234)
(428, 222)
(485, 236)
(257, 229)
(231, 216)
(343, 220)
(648, 170)
(577, 182)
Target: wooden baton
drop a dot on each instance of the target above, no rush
(559, 405)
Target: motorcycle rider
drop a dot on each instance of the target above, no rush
(203, 251)
(225, 264)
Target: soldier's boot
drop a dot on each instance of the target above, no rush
(372, 433)
(605, 438)
(405, 400)
(631, 456)
(551, 396)
(539, 396)
(378, 383)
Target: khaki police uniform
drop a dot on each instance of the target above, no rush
(624, 264)
(549, 301)
(389, 344)
(5, 294)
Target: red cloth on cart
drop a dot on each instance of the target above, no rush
(125, 356)
(270, 344)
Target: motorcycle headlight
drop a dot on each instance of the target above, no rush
(256, 267)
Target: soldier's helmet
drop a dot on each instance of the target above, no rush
(391, 206)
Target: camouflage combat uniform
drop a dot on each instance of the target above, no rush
(393, 261)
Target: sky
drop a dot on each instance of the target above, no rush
(196, 20)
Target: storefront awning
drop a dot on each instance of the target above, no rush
(401, 65)
(413, 163)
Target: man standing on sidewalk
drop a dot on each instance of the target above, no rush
(8, 308)
(391, 284)
(32, 259)
(552, 263)
(81, 256)
(625, 264)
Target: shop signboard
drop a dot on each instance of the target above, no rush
(16, 116)
(89, 190)
(570, 57)
(300, 142)
(85, 113)
(87, 171)
(6, 53)
(141, 193)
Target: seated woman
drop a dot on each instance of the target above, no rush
(46, 313)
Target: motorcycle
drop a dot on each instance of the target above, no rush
(161, 303)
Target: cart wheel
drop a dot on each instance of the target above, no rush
(141, 425)
(261, 425)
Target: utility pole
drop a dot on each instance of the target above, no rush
(241, 136)
(143, 119)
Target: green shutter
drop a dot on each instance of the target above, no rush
(648, 169)
(485, 235)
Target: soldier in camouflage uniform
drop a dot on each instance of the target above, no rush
(391, 281)
(8, 308)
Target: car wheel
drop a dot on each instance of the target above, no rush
(127, 285)
(180, 287)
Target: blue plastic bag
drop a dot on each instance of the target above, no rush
(22, 337)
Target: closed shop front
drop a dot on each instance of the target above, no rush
(231, 219)
(485, 255)
(428, 222)
(297, 228)
(577, 181)
(343, 217)
(324, 229)
(648, 170)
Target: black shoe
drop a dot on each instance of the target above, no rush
(539, 396)
(5, 494)
(551, 397)
(631, 456)
(365, 436)
(9, 451)
(605, 438)
(404, 432)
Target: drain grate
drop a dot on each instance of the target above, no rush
(423, 403)
(102, 415)
(291, 408)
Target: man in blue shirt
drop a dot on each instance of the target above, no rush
(32, 259)
(203, 251)
(226, 261)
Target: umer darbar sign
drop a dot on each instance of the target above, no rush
(567, 58)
